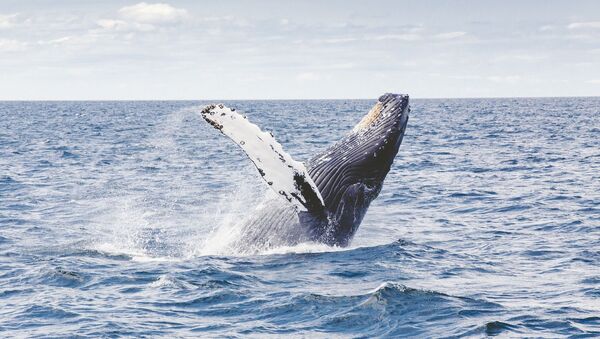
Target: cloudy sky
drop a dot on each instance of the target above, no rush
(66, 49)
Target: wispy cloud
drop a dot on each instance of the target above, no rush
(519, 57)
(401, 37)
(8, 20)
(462, 77)
(500, 79)
(308, 76)
(345, 65)
(450, 35)
(594, 81)
(547, 28)
(70, 40)
(123, 26)
(11, 45)
(581, 25)
(409, 35)
(337, 40)
(507, 79)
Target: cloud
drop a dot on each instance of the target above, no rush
(547, 28)
(143, 17)
(69, 40)
(153, 13)
(121, 25)
(450, 35)
(402, 37)
(345, 65)
(10, 45)
(7, 21)
(519, 57)
(111, 24)
(59, 41)
(583, 25)
(594, 81)
(465, 77)
(308, 76)
(507, 79)
(336, 40)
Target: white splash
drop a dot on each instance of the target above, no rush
(307, 247)
(162, 224)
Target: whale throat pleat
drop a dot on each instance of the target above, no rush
(368, 150)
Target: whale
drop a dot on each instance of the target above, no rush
(324, 199)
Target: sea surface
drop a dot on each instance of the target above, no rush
(114, 216)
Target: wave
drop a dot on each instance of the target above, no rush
(390, 310)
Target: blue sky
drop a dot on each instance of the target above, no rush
(57, 49)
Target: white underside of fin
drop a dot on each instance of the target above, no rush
(277, 168)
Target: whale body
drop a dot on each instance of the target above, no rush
(326, 199)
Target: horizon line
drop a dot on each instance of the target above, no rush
(300, 99)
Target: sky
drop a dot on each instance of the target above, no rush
(327, 49)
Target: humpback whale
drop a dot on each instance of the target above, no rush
(326, 199)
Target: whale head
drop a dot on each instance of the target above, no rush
(350, 174)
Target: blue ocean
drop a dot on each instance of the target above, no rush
(113, 217)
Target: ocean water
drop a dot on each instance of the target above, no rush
(114, 216)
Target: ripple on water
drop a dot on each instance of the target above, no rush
(106, 210)
(169, 282)
(46, 313)
(391, 310)
(59, 276)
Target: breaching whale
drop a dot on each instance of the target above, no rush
(325, 199)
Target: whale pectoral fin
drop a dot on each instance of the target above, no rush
(284, 175)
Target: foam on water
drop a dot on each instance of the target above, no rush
(132, 223)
